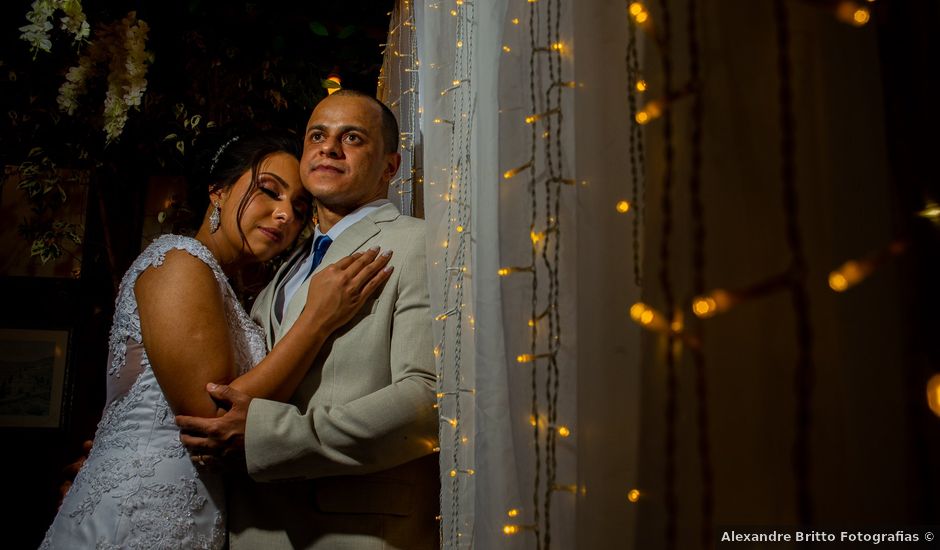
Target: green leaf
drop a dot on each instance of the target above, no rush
(330, 84)
(181, 147)
(318, 29)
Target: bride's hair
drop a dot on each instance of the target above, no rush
(224, 159)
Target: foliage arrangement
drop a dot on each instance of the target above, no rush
(108, 96)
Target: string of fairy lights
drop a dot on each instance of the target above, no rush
(706, 304)
(544, 178)
(545, 183)
(452, 320)
(400, 59)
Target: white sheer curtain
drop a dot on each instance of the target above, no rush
(512, 208)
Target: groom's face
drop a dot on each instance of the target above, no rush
(344, 164)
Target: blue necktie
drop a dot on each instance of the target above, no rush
(319, 250)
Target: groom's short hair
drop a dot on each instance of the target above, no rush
(389, 122)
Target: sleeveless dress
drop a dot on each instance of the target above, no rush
(138, 487)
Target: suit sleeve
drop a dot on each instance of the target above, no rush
(388, 427)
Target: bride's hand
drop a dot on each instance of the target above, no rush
(338, 291)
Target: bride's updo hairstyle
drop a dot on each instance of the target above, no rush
(223, 160)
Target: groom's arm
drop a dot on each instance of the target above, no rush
(393, 425)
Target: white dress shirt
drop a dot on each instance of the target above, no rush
(303, 270)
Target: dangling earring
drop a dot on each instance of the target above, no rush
(215, 217)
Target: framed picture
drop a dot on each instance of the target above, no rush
(32, 377)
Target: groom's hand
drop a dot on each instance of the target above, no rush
(222, 438)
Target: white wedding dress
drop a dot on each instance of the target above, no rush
(138, 487)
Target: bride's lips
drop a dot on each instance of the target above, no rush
(275, 235)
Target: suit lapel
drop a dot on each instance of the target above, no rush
(263, 309)
(349, 241)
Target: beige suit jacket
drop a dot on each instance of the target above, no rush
(348, 462)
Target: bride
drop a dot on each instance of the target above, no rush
(178, 326)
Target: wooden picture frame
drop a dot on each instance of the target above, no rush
(33, 365)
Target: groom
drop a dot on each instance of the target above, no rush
(348, 462)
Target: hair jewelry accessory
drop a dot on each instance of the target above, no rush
(215, 217)
(215, 158)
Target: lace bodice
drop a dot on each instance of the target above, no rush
(138, 488)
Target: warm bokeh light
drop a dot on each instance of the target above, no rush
(933, 394)
(623, 207)
(633, 495)
(852, 13)
(636, 8)
(563, 431)
(513, 512)
(648, 317)
(848, 275)
(525, 358)
(641, 85)
(510, 529)
(711, 304)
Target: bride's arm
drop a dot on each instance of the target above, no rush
(335, 294)
(185, 333)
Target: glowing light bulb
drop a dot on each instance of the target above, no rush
(453, 473)
(623, 207)
(633, 495)
(641, 85)
(460, 43)
(536, 236)
(512, 512)
(515, 20)
(563, 431)
(642, 117)
(931, 211)
(531, 322)
(453, 12)
(452, 422)
(558, 46)
(459, 229)
(636, 8)
(525, 358)
(510, 529)
(642, 17)
(503, 271)
(507, 49)
(509, 174)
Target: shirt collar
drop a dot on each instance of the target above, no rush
(349, 219)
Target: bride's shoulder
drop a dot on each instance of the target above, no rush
(176, 246)
(176, 262)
